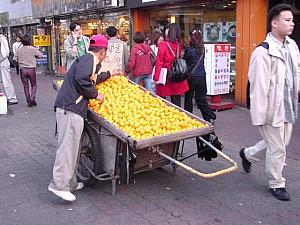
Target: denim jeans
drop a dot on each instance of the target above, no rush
(147, 81)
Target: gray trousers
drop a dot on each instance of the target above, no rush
(273, 149)
(7, 84)
(69, 127)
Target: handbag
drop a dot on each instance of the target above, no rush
(179, 68)
(152, 57)
(12, 63)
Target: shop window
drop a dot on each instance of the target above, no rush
(92, 24)
(217, 21)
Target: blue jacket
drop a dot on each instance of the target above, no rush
(191, 57)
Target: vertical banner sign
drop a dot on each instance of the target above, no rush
(217, 68)
(113, 58)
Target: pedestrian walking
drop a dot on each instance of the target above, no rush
(274, 85)
(112, 40)
(15, 47)
(139, 63)
(5, 71)
(164, 59)
(76, 44)
(71, 109)
(194, 57)
(26, 57)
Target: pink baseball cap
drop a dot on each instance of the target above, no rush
(99, 41)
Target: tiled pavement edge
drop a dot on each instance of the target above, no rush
(27, 150)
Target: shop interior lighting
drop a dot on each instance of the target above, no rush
(233, 1)
(93, 25)
(173, 19)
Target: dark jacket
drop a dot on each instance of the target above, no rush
(78, 82)
(191, 57)
(139, 60)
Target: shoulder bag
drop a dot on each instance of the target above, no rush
(179, 69)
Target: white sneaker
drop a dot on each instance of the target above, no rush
(65, 195)
(80, 185)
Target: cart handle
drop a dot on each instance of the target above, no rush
(205, 175)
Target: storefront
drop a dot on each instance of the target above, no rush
(216, 20)
(240, 24)
(94, 17)
(94, 23)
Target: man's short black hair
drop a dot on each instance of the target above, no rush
(26, 40)
(275, 12)
(96, 49)
(73, 25)
(139, 37)
(112, 31)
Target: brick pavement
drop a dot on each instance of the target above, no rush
(27, 149)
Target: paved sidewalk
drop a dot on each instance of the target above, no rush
(27, 151)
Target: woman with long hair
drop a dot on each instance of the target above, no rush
(194, 56)
(164, 59)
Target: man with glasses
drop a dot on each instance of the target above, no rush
(76, 44)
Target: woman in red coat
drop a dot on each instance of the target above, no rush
(165, 59)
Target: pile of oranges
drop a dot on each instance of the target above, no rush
(138, 113)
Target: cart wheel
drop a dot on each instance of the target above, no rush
(90, 156)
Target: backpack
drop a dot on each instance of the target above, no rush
(266, 46)
(179, 68)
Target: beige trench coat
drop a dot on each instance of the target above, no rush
(267, 72)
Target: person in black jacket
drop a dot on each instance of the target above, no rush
(71, 110)
(194, 56)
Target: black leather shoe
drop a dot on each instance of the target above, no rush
(280, 194)
(245, 163)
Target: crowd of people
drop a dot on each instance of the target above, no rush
(273, 89)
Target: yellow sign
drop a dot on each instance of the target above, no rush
(41, 40)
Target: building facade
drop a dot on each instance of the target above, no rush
(93, 15)
(240, 23)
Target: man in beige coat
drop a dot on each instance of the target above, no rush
(274, 73)
(5, 71)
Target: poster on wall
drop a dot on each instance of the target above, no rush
(229, 32)
(212, 32)
(217, 68)
(113, 58)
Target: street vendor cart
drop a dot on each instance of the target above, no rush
(108, 153)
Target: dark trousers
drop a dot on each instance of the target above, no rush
(29, 75)
(197, 85)
(175, 99)
(17, 68)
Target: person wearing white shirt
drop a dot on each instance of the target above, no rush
(15, 47)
